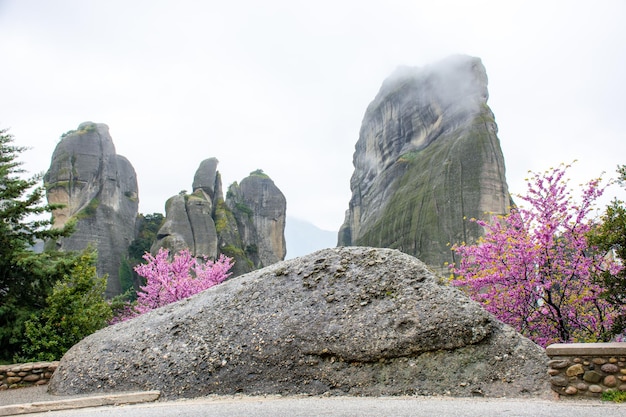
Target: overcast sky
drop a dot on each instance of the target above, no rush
(283, 85)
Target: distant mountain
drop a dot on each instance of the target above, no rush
(304, 237)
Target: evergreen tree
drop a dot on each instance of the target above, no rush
(26, 278)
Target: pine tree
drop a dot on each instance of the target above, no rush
(26, 278)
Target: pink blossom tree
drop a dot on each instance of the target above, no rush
(535, 269)
(169, 281)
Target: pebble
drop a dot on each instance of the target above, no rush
(609, 368)
(595, 389)
(575, 370)
(610, 381)
(571, 390)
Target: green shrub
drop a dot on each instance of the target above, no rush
(75, 309)
(259, 173)
(615, 396)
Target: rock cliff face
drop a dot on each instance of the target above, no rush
(260, 209)
(98, 188)
(428, 158)
(248, 225)
(189, 218)
(358, 321)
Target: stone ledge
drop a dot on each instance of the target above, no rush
(595, 349)
(83, 402)
(587, 369)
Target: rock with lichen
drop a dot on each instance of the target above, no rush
(427, 160)
(341, 321)
(98, 189)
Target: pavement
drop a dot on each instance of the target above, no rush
(144, 404)
(37, 399)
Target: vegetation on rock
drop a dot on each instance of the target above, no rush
(259, 173)
(428, 155)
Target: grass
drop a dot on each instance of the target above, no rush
(614, 396)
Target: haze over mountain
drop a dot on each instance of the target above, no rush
(428, 159)
(304, 237)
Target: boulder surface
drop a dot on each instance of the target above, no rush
(341, 321)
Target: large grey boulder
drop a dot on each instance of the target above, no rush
(98, 189)
(357, 321)
(427, 159)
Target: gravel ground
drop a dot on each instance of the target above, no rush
(316, 406)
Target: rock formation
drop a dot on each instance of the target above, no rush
(189, 218)
(98, 189)
(428, 158)
(260, 210)
(358, 321)
(247, 226)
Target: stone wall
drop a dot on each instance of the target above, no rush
(26, 374)
(587, 369)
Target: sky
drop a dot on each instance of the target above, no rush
(282, 85)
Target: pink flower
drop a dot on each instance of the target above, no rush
(534, 269)
(170, 281)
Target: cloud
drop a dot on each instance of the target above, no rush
(283, 85)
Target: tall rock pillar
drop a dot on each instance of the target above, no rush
(427, 159)
(97, 188)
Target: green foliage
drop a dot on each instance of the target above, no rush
(125, 272)
(252, 250)
(232, 251)
(242, 207)
(149, 226)
(91, 127)
(259, 173)
(615, 396)
(69, 132)
(29, 297)
(89, 210)
(76, 308)
(131, 196)
(196, 195)
(26, 278)
(223, 217)
(610, 238)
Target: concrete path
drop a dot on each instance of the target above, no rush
(304, 406)
(36, 400)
